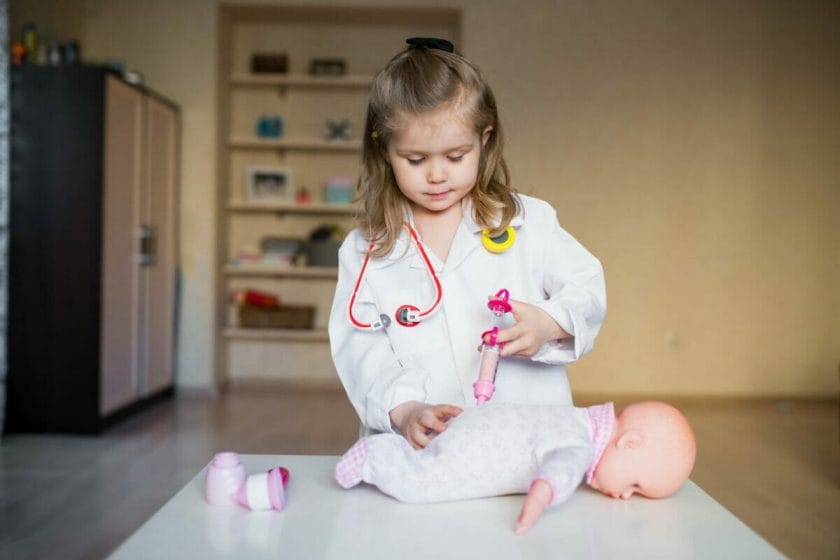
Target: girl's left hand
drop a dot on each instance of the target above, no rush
(534, 327)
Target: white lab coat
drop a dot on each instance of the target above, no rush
(437, 361)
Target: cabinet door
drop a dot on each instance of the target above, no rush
(161, 173)
(120, 290)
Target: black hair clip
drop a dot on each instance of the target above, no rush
(431, 43)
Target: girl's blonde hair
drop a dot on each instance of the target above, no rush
(414, 82)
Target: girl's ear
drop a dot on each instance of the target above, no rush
(485, 135)
(631, 439)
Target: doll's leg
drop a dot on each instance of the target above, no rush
(410, 475)
(379, 448)
(348, 471)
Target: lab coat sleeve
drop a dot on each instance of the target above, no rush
(564, 469)
(573, 282)
(375, 379)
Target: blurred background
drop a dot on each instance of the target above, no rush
(691, 146)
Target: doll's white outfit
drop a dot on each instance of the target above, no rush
(436, 361)
(493, 450)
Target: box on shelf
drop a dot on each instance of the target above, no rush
(279, 249)
(282, 317)
(269, 63)
(339, 190)
(322, 253)
(327, 66)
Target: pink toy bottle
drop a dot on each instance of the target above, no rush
(264, 491)
(225, 475)
(484, 388)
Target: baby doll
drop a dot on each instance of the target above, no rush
(545, 451)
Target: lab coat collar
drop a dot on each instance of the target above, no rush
(402, 246)
(473, 227)
(467, 239)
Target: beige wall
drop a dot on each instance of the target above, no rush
(692, 146)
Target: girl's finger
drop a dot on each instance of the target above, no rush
(516, 308)
(513, 348)
(420, 439)
(450, 411)
(434, 423)
(508, 334)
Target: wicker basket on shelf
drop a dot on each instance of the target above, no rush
(282, 317)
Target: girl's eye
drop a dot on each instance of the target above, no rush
(456, 158)
(417, 161)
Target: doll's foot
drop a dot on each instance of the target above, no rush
(348, 471)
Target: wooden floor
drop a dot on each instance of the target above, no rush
(776, 465)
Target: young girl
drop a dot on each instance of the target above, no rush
(441, 230)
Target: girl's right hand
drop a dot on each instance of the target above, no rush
(419, 422)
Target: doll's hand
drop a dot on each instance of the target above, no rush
(534, 327)
(419, 422)
(538, 498)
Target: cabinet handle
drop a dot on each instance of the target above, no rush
(148, 245)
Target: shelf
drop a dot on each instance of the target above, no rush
(284, 271)
(292, 207)
(292, 335)
(300, 80)
(308, 100)
(316, 144)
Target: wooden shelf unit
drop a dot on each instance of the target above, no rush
(279, 271)
(300, 80)
(292, 207)
(314, 144)
(297, 335)
(366, 37)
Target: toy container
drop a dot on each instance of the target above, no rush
(225, 475)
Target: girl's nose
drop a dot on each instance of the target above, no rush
(436, 174)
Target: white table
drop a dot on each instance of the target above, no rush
(322, 520)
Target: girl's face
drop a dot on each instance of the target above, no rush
(435, 158)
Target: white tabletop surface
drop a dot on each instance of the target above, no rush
(321, 520)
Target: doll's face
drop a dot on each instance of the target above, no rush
(651, 453)
(624, 472)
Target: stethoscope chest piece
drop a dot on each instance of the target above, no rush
(407, 315)
(500, 243)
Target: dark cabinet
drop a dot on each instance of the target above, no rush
(92, 255)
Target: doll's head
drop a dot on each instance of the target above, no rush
(422, 80)
(651, 451)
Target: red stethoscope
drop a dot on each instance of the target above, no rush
(410, 315)
(406, 315)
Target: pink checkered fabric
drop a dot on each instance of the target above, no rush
(348, 471)
(603, 419)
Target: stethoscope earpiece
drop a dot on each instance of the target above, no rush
(383, 323)
(500, 243)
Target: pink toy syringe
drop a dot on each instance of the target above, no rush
(484, 388)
